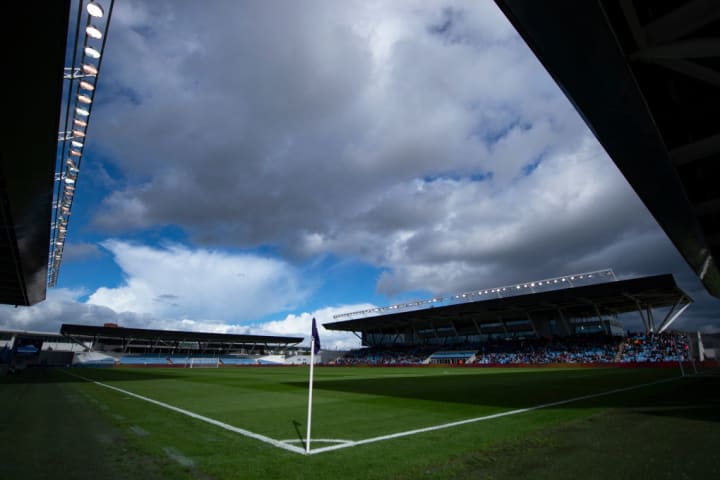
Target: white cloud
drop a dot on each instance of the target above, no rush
(178, 282)
(299, 324)
(64, 306)
(422, 137)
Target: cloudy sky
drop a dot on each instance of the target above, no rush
(253, 164)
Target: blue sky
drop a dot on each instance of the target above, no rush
(250, 165)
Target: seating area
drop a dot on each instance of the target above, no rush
(237, 361)
(599, 349)
(639, 347)
(386, 356)
(532, 351)
(452, 357)
(143, 360)
(635, 348)
(189, 361)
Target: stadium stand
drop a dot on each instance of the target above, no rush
(453, 357)
(636, 348)
(664, 347)
(387, 356)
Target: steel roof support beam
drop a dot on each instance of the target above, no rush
(681, 21)
(650, 317)
(505, 329)
(564, 322)
(669, 319)
(605, 325)
(477, 326)
(645, 320)
(532, 324)
(704, 48)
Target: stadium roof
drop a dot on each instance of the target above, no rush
(28, 160)
(590, 301)
(121, 333)
(645, 76)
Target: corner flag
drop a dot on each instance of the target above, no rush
(314, 348)
(315, 337)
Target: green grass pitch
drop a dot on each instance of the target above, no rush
(652, 423)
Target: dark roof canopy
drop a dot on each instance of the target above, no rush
(28, 157)
(121, 333)
(645, 76)
(610, 298)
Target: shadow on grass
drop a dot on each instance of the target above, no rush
(688, 397)
(72, 375)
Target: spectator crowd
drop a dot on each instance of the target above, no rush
(636, 347)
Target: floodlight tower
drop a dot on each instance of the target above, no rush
(85, 51)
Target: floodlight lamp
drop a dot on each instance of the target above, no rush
(77, 144)
(78, 133)
(95, 10)
(93, 32)
(71, 163)
(80, 123)
(92, 53)
(89, 69)
(75, 153)
(82, 112)
(87, 85)
(69, 180)
(84, 99)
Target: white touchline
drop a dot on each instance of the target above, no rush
(241, 431)
(285, 445)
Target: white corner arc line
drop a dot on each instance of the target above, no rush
(217, 423)
(320, 440)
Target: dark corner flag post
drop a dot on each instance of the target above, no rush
(314, 348)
